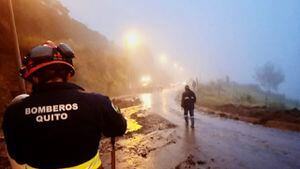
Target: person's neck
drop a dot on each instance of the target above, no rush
(55, 80)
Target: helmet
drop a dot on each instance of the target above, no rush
(42, 56)
(186, 87)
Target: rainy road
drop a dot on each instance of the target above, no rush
(221, 143)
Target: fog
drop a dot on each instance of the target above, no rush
(206, 39)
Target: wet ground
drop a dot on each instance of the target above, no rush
(214, 143)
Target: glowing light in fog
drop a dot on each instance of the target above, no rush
(163, 59)
(175, 65)
(146, 99)
(145, 80)
(133, 39)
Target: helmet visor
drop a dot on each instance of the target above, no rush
(41, 54)
(65, 50)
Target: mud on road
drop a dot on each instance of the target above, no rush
(146, 132)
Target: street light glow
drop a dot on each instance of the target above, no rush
(132, 39)
(163, 59)
(175, 65)
(145, 80)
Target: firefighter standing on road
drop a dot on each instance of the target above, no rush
(188, 100)
(59, 125)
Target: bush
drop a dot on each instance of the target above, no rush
(277, 105)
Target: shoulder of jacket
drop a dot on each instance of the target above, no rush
(13, 108)
(95, 96)
(19, 98)
(17, 101)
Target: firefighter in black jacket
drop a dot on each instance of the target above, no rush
(59, 125)
(188, 100)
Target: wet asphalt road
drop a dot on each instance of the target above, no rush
(221, 143)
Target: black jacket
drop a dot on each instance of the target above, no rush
(59, 125)
(188, 99)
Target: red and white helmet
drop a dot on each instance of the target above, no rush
(45, 55)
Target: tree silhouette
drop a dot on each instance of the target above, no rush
(269, 77)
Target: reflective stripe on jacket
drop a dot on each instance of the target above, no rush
(93, 163)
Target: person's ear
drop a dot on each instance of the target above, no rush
(28, 86)
(35, 80)
(69, 76)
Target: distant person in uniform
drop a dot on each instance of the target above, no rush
(188, 100)
(59, 125)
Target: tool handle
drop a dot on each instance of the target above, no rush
(113, 154)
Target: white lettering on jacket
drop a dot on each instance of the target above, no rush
(51, 112)
(51, 117)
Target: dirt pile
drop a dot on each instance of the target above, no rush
(124, 102)
(192, 162)
(152, 122)
(283, 119)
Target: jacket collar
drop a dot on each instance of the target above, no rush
(55, 86)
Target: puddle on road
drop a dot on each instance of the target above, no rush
(146, 99)
(132, 125)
